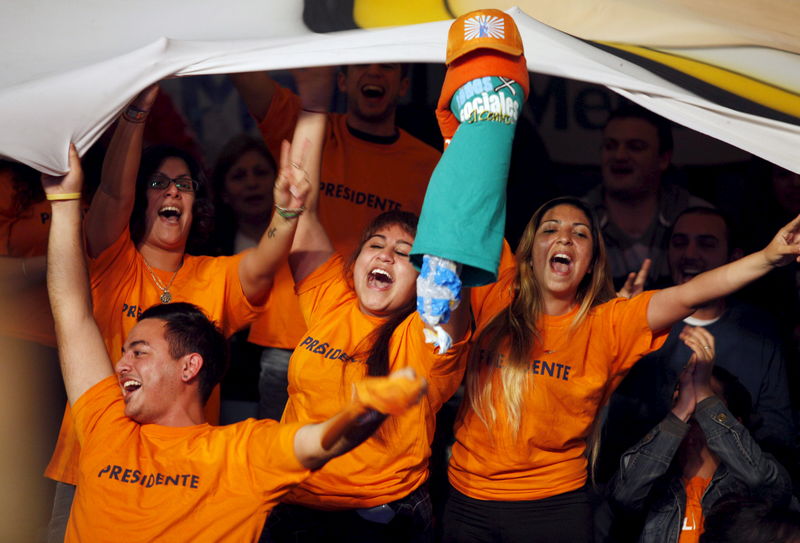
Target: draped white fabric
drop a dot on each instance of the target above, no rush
(68, 71)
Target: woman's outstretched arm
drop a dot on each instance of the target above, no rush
(670, 305)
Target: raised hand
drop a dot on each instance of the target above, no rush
(292, 185)
(634, 284)
(373, 399)
(392, 395)
(70, 184)
(785, 246)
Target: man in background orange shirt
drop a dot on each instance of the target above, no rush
(369, 166)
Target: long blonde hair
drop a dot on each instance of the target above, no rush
(516, 328)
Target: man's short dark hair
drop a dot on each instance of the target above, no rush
(188, 330)
(629, 110)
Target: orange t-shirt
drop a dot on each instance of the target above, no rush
(571, 374)
(144, 483)
(692, 523)
(360, 180)
(394, 462)
(25, 314)
(122, 288)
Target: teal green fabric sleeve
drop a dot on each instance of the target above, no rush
(463, 215)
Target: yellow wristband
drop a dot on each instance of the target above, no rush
(65, 196)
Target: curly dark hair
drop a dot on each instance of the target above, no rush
(202, 210)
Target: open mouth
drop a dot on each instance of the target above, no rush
(373, 91)
(561, 263)
(130, 385)
(379, 279)
(688, 273)
(171, 213)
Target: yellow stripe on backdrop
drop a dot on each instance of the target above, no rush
(376, 13)
(757, 91)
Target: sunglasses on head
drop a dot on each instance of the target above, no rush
(183, 183)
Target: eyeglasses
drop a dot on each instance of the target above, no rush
(183, 183)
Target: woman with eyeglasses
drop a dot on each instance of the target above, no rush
(149, 210)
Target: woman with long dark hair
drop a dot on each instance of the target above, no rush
(361, 321)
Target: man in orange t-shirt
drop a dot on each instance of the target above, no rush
(122, 290)
(151, 469)
(369, 166)
(144, 217)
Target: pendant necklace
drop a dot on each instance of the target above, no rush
(165, 297)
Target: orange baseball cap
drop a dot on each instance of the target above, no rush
(483, 28)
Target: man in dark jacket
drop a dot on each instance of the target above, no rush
(699, 453)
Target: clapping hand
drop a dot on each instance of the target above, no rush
(695, 380)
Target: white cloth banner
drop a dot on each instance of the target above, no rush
(72, 87)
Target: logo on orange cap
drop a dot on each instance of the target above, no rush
(484, 28)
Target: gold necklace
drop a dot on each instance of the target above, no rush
(165, 297)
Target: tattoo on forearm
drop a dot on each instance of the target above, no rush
(271, 232)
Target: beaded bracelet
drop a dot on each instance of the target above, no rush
(288, 213)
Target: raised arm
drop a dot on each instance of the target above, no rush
(257, 90)
(83, 356)
(258, 267)
(312, 246)
(725, 434)
(645, 463)
(670, 305)
(113, 202)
